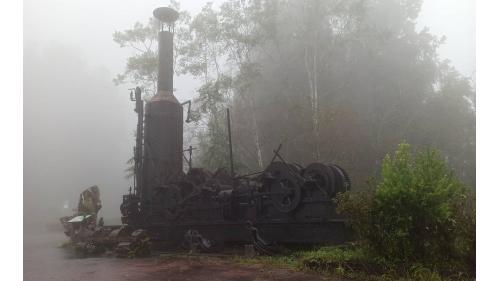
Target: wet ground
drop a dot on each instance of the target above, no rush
(44, 261)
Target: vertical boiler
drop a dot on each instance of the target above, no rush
(163, 120)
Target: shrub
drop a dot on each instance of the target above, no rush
(418, 213)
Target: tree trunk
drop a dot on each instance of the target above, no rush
(255, 130)
(312, 75)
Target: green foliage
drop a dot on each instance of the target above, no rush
(349, 262)
(214, 142)
(141, 68)
(355, 262)
(419, 213)
(358, 206)
(211, 102)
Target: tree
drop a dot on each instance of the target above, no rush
(448, 120)
(346, 81)
(200, 56)
(332, 80)
(142, 67)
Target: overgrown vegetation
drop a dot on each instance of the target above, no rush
(354, 263)
(418, 216)
(342, 261)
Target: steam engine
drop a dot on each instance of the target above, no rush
(284, 203)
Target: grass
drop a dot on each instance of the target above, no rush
(349, 263)
(289, 262)
(345, 262)
(324, 260)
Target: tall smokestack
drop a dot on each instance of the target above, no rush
(163, 122)
(166, 61)
(167, 18)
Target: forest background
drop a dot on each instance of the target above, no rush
(332, 81)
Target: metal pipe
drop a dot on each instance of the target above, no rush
(139, 108)
(188, 118)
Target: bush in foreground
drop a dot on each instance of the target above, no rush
(418, 216)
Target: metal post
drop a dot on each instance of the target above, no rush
(139, 108)
(190, 155)
(230, 142)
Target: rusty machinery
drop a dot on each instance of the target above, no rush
(285, 203)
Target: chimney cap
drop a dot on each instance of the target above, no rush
(166, 15)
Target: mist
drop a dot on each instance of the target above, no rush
(78, 125)
(77, 133)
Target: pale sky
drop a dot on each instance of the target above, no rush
(455, 19)
(88, 25)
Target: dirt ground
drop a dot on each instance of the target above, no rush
(189, 269)
(44, 260)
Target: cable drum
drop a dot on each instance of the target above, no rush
(343, 182)
(323, 177)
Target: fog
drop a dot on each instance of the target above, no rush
(78, 125)
(77, 132)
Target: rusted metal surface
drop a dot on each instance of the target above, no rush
(163, 132)
(165, 14)
(163, 144)
(166, 59)
(285, 203)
